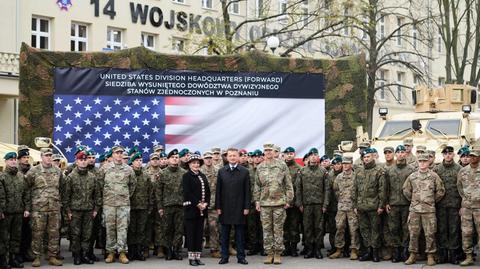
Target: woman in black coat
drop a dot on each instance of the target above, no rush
(196, 198)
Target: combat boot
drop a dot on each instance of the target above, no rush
(431, 259)
(309, 254)
(397, 255)
(215, 254)
(85, 259)
(318, 253)
(76, 259)
(15, 261)
(375, 257)
(468, 260)
(366, 256)
(287, 251)
(139, 253)
(268, 259)
(405, 254)
(442, 256)
(452, 256)
(168, 253)
(131, 255)
(110, 257)
(54, 261)
(293, 250)
(36, 261)
(160, 252)
(337, 254)
(92, 255)
(123, 258)
(354, 254)
(411, 259)
(277, 259)
(177, 254)
(3, 262)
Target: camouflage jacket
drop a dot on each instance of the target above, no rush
(423, 189)
(143, 193)
(331, 202)
(42, 187)
(154, 174)
(118, 184)
(345, 190)
(449, 173)
(169, 190)
(395, 176)
(468, 184)
(12, 190)
(211, 172)
(294, 168)
(412, 160)
(252, 169)
(311, 189)
(370, 181)
(82, 191)
(273, 185)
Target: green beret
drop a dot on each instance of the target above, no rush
(163, 155)
(465, 150)
(133, 150)
(137, 155)
(101, 158)
(337, 159)
(324, 157)
(172, 152)
(289, 149)
(257, 153)
(10, 155)
(183, 152)
(374, 150)
(80, 148)
(367, 151)
(400, 148)
(108, 154)
(250, 154)
(313, 151)
(91, 152)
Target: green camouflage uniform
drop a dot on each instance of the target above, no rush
(169, 197)
(291, 227)
(43, 201)
(211, 172)
(332, 203)
(447, 211)
(118, 185)
(81, 198)
(345, 190)
(468, 184)
(98, 231)
(370, 181)
(254, 226)
(412, 160)
(153, 221)
(423, 189)
(12, 189)
(395, 177)
(139, 209)
(311, 195)
(273, 189)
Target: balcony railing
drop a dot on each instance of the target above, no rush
(9, 63)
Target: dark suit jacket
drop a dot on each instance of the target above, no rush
(232, 194)
(195, 187)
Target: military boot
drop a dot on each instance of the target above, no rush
(375, 257)
(442, 256)
(15, 261)
(54, 261)
(318, 252)
(287, 251)
(293, 250)
(411, 259)
(123, 258)
(110, 257)
(337, 254)
(139, 253)
(354, 254)
(310, 252)
(36, 261)
(3, 262)
(397, 255)
(232, 251)
(177, 254)
(92, 255)
(85, 259)
(76, 259)
(367, 256)
(268, 259)
(431, 259)
(277, 259)
(468, 260)
(168, 253)
(160, 252)
(131, 255)
(405, 254)
(215, 254)
(453, 256)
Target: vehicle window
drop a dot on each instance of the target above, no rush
(444, 127)
(396, 128)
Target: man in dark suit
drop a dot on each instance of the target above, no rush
(232, 201)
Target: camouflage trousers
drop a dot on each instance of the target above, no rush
(448, 227)
(98, 231)
(116, 220)
(137, 227)
(213, 230)
(158, 232)
(172, 227)
(46, 223)
(273, 218)
(470, 222)
(254, 229)
(81, 231)
(342, 220)
(10, 233)
(330, 226)
(313, 225)
(369, 223)
(397, 225)
(291, 228)
(417, 221)
(150, 227)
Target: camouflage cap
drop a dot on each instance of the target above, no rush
(408, 142)
(158, 148)
(154, 156)
(268, 146)
(46, 151)
(475, 151)
(207, 154)
(400, 148)
(172, 153)
(58, 157)
(117, 148)
(448, 149)
(277, 148)
(422, 157)
(125, 155)
(421, 148)
(10, 155)
(347, 159)
(390, 149)
(216, 150)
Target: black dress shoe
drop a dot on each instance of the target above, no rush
(193, 262)
(199, 262)
(242, 261)
(223, 261)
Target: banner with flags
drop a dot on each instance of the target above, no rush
(102, 107)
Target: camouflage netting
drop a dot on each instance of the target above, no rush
(345, 88)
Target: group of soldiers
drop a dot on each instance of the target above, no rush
(397, 210)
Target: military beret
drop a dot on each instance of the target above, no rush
(10, 155)
(101, 158)
(313, 151)
(81, 155)
(337, 159)
(250, 154)
(80, 148)
(408, 142)
(57, 157)
(421, 148)
(277, 148)
(364, 145)
(347, 159)
(324, 158)
(385, 149)
(400, 148)
(23, 151)
(207, 154)
(108, 154)
(465, 150)
(268, 146)
(163, 155)
(242, 152)
(257, 153)
(422, 157)
(448, 149)
(154, 156)
(91, 152)
(137, 155)
(374, 150)
(172, 152)
(216, 150)
(195, 157)
(158, 148)
(289, 149)
(431, 153)
(46, 151)
(117, 148)
(367, 151)
(133, 150)
(183, 152)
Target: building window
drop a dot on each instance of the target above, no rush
(40, 33)
(381, 26)
(260, 8)
(381, 83)
(399, 31)
(400, 76)
(178, 45)
(114, 38)
(78, 37)
(207, 4)
(305, 13)
(346, 29)
(439, 43)
(441, 81)
(148, 41)
(282, 6)
(414, 36)
(234, 7)
(416, 80)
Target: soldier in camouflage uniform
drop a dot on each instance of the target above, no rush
(273, 194)
(330, 225)
(370, 181)
(291, 229)
(163, 160)
(464, 154)
(311, 199)
(98, 231)
(217, 158)
(468, 184)
(386, 250)
(183, 155)
(211, 172)
(254, 226)
(140, 207)
(118, 184)
(169, 198)
(345, 191)
(411, 159)
(43, 203)
(152, 230)
(81, 202)
(361, 147)
(26, 253)
(447, 211)
(12, 189)
(397, 204)
(423, 188)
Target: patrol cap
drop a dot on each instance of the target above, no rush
(364, 145)
(408, 142)
(154, 156)
(125, 155)
(289, 149)
(172, 152)
(421, 148)
(207, 154)
(347, 159)
(313, 151)
(117, 148)
(58, 157)
(431, 153)
(137, 155)
(390, 149)
(337, 159)
(324, 158)
(475, 151)
(23, 151)
(400, 148)
(183, 152)
(194, 157)
(81, 155)
(46, 151)
(158, 148)
(422, 157)
(216, 150)
(277, 148)
(268, 146)
(10, 155)
(448, 149)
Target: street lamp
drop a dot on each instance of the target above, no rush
(273, 42)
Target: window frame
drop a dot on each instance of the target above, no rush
(38, 34)
(112, 43)
(76, 38)
(144, 37)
